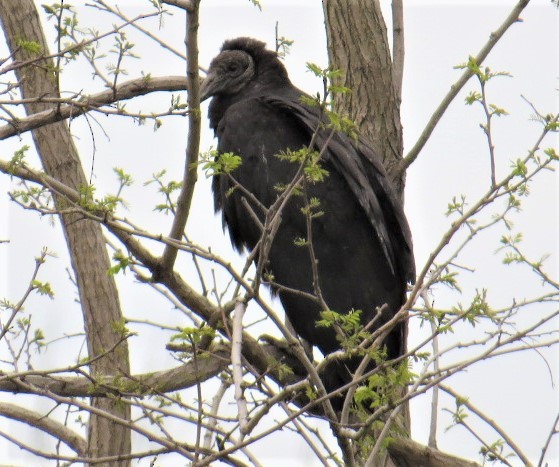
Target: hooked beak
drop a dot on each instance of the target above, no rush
(207, 87)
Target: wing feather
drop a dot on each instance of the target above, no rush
(363, 171)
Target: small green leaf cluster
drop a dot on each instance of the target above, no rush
(312, 209)
(524, 169)
(31, 195)
(382, 388)
(483, 74)
(66, 27)
(257, 4)
(21, 332)
(449, 278)
(511, 243)
(107, 204)
(494, 452)
(283, 370)
(456, 206)
(491, 110)
(43, 288)
(328, 74)
(282, 46)
(519, 168)
(310, 392)
(54, 9)
(314, 172)
(122, 263)
(166, 189)
(551, 123)
(124, 178)
(478, 308)
(31, 47)
(18, 159)
(176, 102)
(459, 414)
(472, 313)
(349, 328)
(192, 336)
(122, 48)
(336, 121)
(343, 124)
(119, 327)
(215, 163)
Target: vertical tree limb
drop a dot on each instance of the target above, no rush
(97, 290)
(193, 143)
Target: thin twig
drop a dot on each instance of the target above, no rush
(212, 417)
(465, 401)
(236, 355)
(554, 431)
(432, 443)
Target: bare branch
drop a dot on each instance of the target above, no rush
(181, 377)
(127, 90)
(46, 424)
(212, 422)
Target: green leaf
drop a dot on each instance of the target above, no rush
(498, 111)
(18, 159)
(214, 163)
(123, 262)
(43, 288)
(474, 96)
(519, 168)
(33, 48)
(314, 69)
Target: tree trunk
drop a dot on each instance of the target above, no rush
(97, 290)
(358, 46)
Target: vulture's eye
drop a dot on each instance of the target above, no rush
(232, 67)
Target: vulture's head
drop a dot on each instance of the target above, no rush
(242, 63)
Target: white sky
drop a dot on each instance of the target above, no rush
(517, 390)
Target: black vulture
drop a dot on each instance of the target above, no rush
(362, 242)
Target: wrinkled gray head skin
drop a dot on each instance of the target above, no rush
(229, 72)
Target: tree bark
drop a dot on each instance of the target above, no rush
(97, 290)
(407, 453)
(358, 46)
